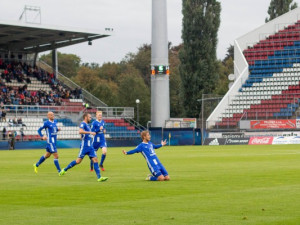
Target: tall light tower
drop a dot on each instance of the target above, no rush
(160, 94)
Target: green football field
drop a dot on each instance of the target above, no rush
(209, 185)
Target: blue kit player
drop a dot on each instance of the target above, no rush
(98, 126)
(51, 135)
(159, 173)
(86, 147)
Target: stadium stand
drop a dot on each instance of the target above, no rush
(30, 88)
(272, 88)
(22, 84)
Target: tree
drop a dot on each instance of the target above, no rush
(141, 61)
(229, 54)
(279, 7)
(105, 90)
(225, 67)
(131, 87)
(68, 64)
(201, 21)
(110, 71)
(176, 107)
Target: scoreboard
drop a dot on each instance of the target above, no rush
(160, 70)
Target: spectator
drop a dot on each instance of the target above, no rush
(22, 133)
(10, 122)
(15, 121)
(3, 116)
(28, 81)
(11, 135)
(3, 133)
(20, 122)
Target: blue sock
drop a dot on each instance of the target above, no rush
(153, 178)
(102, 159)
(73, 163)
(97, 170)
(42, 159)
(92, 164)
(57, 165)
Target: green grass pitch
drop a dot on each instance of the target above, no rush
(209, 185)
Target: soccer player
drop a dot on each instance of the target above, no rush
(86, 147)
(51, 135)
(159, 173)
(98, 126)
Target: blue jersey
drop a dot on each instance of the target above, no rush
(86, 139)
(147, 150)
(51, 131)
(96, 127)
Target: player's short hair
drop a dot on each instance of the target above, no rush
(144, 133)
(98, 112)
(85, 115)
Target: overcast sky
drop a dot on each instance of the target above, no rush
(131, 21)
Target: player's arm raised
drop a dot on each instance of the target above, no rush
(160, 145)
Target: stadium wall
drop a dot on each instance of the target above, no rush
(257, 140)
(176, 136)
(67, 144)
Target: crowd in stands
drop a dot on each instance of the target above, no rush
(21, 72)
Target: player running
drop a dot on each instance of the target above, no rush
(98, 126)
(159, 173)
(86, 147)
(51, 135)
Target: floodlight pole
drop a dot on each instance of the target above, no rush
(160, 94)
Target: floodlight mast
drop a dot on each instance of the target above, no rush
(160, 94)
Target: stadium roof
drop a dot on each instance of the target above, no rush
(35, 38)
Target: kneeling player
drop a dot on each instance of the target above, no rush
(159, 173)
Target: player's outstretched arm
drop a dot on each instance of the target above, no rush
(136, 150)
(163, 142)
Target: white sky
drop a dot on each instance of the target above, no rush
(131, 20)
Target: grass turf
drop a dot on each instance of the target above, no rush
(209, 185)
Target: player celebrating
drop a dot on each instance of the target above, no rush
(51, 135)
(147, 149)
(98, 126)
(86, 147)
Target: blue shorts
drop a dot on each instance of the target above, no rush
(100, 144)
(87, 151)
(51, 148)
(158, 170)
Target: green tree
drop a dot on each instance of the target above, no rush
(132, 87)
(110, 71)
(68, 64)
(279, 7)
(224, 68)
(141, 61)
(176, 107)
(201, 21)
(105, 90)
